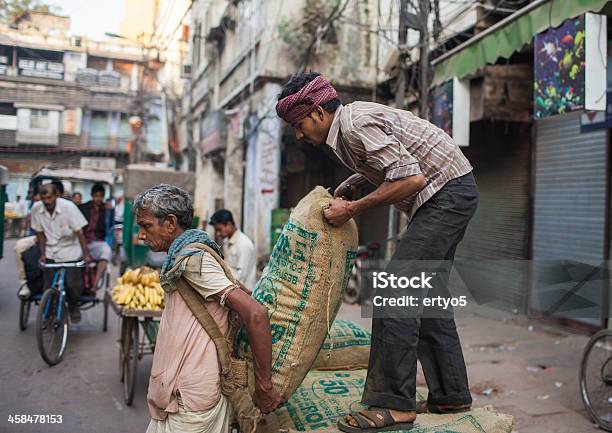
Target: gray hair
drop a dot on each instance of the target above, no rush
(163, 200)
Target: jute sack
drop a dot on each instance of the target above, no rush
(347, 347)
(325, 396)
(302, 286)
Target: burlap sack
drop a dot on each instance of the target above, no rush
(302, 287)
(325, 396)
(347, 347)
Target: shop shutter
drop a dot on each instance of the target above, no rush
(569, 217)
(492, 258)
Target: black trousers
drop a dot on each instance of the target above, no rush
(73, 283)
(433, 235)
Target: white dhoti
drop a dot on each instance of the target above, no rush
(214, 420)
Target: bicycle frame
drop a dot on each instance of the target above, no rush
(60, 278)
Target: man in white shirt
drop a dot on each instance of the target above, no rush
(238, 249)
(58, 224)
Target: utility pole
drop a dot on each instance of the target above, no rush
(136, 124)
(402, 38)
(400, 94)
(424, 10)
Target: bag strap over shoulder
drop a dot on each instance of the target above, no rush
(217, 257)
(234, 372)
(197, 305)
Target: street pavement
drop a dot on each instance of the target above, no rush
(519, 367)
(84, 388)
(523, 368)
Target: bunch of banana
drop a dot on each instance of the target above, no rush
(139, 289)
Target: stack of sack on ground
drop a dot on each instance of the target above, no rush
(302, 288)
(325, 396)
(346, 347)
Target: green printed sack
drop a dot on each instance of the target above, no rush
(322, 398)
(302, 287)
(325, 396)
(347, 347)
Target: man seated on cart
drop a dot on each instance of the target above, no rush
(59, 224)
(184, 387)
(100, 218)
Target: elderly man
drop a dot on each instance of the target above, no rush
(184, 387)
(237, 247)
(419, 169)
(59, 224)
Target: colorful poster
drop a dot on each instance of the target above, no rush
(559, 76)
(442, 107)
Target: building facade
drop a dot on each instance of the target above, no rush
(241, 53)
(539, 143)
(66, 101)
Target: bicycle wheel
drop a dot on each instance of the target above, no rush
(596, 378)
(130, 361)
(24, 314)
(52, 327)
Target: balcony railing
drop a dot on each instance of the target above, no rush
(114, 142)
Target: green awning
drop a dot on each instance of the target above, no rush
(509, 37)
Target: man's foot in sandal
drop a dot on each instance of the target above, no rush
(377, 419)
(440, 409)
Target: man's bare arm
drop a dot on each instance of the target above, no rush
(340, 211)
(84, 247)
(350, 186)
(255, 318)
(42, 245)
(389, 193)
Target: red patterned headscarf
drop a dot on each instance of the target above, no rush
(293, 107)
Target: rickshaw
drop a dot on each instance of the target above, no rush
(52, 324)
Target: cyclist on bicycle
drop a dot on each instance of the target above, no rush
(100, 218)
(59, 224)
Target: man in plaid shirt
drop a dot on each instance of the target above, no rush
(416, 167)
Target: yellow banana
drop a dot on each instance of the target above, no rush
(129, 295)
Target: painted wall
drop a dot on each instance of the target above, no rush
(234, 168)
(262, 170)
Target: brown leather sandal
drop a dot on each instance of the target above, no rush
(424, 407)
(373, 420)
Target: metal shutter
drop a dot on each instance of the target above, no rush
(569, 215)
(495, 247)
